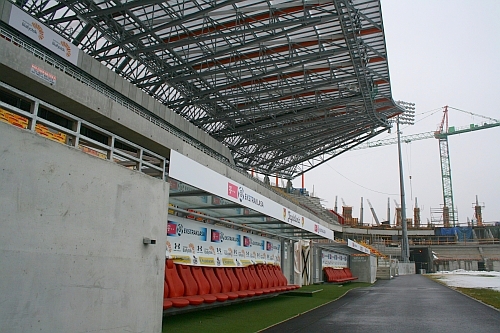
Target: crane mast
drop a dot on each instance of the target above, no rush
(442, 133)
(444, 156)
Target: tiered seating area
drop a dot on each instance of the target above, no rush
(338, 275)
(193, 287)
(373, 250)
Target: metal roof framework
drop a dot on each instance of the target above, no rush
(286, 85)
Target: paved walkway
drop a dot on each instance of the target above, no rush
(410, 304)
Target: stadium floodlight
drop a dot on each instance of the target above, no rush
(407, 118)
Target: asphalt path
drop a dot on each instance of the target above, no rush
(410, 304)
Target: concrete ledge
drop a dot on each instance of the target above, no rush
(303, 293)
(190, 308)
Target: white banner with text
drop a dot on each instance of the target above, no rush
(352, 244)
(186, 170)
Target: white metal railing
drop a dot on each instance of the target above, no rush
(103, 89)
(132, 156)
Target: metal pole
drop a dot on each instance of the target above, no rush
(405, 251)
(361, 212)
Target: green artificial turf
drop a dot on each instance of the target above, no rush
(256, 315)
(488, 296)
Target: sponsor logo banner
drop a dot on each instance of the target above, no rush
(333, 259)
(200, 244)
(186, 170)
(43, 35)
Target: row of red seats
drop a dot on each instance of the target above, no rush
(193, 285)
(338, 275)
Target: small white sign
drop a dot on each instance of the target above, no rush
(333, 259)
(42, 74)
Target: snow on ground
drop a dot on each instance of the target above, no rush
(470, 279)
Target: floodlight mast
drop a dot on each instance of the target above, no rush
(407, 117)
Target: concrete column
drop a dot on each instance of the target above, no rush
(72, 257)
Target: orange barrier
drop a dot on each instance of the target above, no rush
(13, 119)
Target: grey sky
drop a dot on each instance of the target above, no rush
(440, 53)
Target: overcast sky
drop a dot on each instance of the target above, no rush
(440, 53)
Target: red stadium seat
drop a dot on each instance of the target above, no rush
(238, 272)
(215, 286)
(225, 283)
(251, 282)
(263, 278)
(277, 283)
(258, 282)
(175, 286)
(203, 285)
(166, 303)
(190, 286)
(338, 275)
(235, 284)
(273, 282)
(282, 279)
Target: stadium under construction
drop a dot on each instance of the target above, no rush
(131, 134)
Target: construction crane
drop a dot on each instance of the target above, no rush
(373, 212)
(442, 134)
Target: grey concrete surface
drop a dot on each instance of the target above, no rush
(410, 304)
(364, 267)
(72, 257)
(118, 83)
(82, 101)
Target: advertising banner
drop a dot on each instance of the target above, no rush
(43, 35)
(333, 259)
(352, 244)
(201, 244)
(186, 170)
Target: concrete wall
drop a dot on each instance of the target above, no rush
(85, 102)
(406, 268)
(495, 266)
(317, 265)
(452, 265)
(287, 258)
(72, 257)
(387, 232)
(112, 80)
(128, 90)
(364, 267)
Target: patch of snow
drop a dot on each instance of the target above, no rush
(470, 279)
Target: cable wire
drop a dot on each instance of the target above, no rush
(366, 188)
